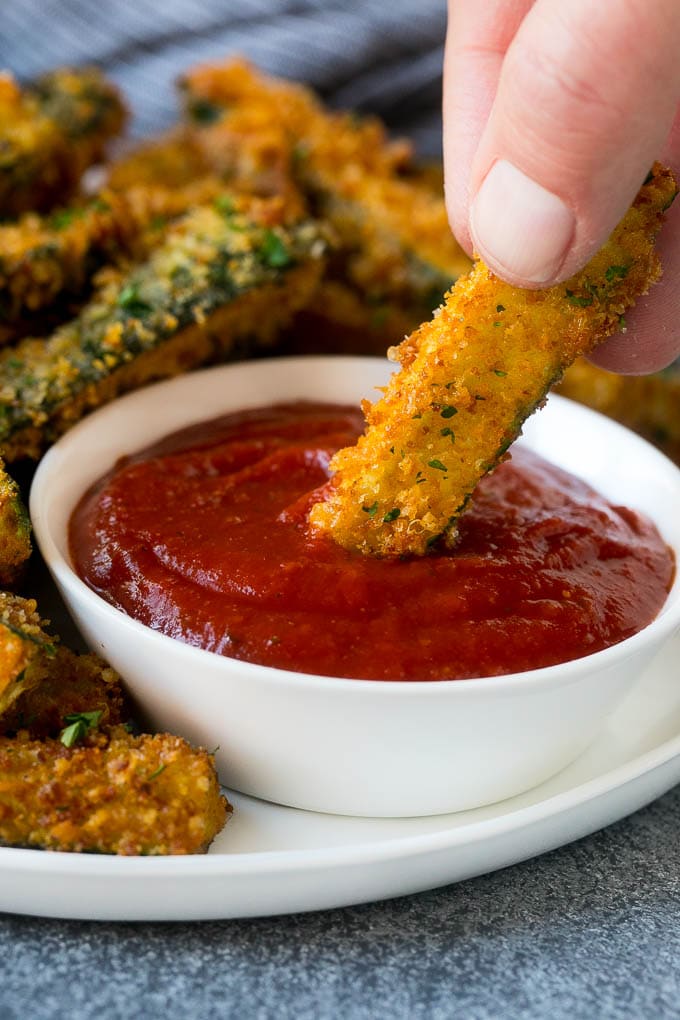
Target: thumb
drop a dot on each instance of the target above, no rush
(585, 100)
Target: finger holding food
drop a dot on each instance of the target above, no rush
(468, 380)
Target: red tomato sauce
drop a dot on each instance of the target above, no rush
(204, 537)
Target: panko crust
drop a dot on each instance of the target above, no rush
(469, 379)
(117, 794)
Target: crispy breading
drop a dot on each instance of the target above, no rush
(173, 160)
(70, 684)
(217, 280)
(50, 132)
(25, 648)
(15, 531)
(648, 404)
(393, 244)
(52, 258)
(468, 380)
(117, 794)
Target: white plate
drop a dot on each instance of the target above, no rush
(275, 860)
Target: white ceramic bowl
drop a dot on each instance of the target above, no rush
(355, 746)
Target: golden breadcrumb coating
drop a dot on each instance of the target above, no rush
(70, 684)
(218, 279)
(50, 132)
(392, 239)
(15, 531)
(25, 648)
(52, 258)
(468, 380)
(115, 794)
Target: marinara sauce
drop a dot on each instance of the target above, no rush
(204, 537)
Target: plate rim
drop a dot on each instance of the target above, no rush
(365, 851)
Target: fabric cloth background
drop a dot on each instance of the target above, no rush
(378, 55)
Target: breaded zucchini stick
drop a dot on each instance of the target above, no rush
(648, 404)
(50, 132)
(393, 243)
(52, 258)
(15, 531)
(25, 648)
(117, 794)
(217, 279)
(469, 379)
(71, 684)
(172, 161)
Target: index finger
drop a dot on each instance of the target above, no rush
(477, 38)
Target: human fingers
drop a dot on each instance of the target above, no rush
(652, 337)
(477, 39)
(585, 99)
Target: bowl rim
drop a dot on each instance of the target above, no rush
(557, 675)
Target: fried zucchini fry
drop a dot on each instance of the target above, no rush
(70, 684)
(118, 794)
(648, 404)
(172, 161)
(25, 648)
(50, 133)
(217, 280)
(15, 531)
(393, 244)
(469, 379)
(48, 259)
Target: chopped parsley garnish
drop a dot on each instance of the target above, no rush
(649, 177)
(157, 772)
(616, 273)
(371, 510)
(437, 465)
(499, 372)
(274, 251)
(61, 219)
(622, 323)
(448, 411)
(448, 432)
(129, 299)
(500, 308)
(418, 415)
(78, 726)
(580, 302)
(391, 515)
(224, 205)
(204, 112)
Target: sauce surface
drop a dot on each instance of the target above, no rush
(204, 538)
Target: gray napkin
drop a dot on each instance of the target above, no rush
(379, 55)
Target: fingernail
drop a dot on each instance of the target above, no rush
(519, 228)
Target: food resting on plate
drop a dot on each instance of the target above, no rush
(15, 531)
(48, 262)
(72, 777)
(50, 133)
(469, 379)
(218, 278)
(261, 212)
(115, 793)
(394, 255)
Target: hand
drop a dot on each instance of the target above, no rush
(554, 112)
